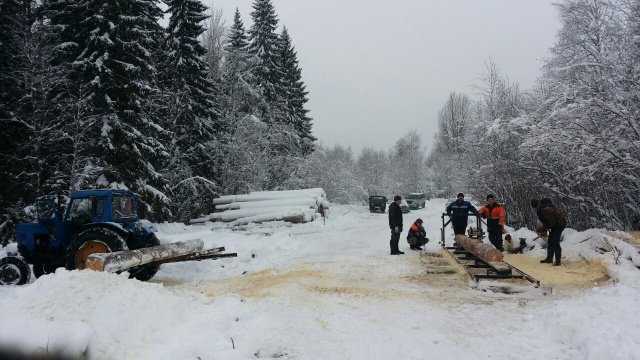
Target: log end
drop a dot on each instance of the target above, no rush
(95, 263)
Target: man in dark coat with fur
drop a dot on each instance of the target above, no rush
(552, 219)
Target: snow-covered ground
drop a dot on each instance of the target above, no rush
(327, 291)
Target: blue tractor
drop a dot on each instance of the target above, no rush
(95, 221)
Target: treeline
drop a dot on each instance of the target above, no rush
(97, 94)
(575, 138)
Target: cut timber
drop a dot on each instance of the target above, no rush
(486, 253)
(122, 260)
(270, 195)
(500, 265)
(308, 202)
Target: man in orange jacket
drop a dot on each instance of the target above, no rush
(496, 216)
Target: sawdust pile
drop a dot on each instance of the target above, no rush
(572, 274)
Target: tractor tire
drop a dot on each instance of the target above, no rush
(145, 272)
(92, 241)
(40, 269)
(14, 271)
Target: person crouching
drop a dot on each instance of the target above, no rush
(417, 236)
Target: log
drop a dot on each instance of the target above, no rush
(486, 253)
(122, 260)
(309, 202)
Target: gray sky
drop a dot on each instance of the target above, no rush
(376, 69)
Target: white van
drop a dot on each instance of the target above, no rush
(416, 200)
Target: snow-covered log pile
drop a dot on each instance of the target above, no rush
(295, 206)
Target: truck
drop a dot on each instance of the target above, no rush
(377, 203)
(95, 222)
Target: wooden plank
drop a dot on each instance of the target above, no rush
(499, 265)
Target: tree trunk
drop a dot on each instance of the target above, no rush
(485, 252)
(122, 260)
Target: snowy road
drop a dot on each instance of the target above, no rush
(316, 291)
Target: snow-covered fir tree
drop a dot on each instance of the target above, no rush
(110, 48)
(293, 92)
(264, 45)
(191, 107)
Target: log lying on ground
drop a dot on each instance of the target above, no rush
(271, 195)
(309, 202)
(232, 215)
(122, 260)
(287, 216)
(485, 252)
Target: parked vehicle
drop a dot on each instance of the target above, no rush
(377, 203)
(417, 200)
(404, 206)
(96, 221)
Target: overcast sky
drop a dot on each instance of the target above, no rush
(376, 69)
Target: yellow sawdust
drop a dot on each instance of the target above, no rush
(572, 273)
(632, 237)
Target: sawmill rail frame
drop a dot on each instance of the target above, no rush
(469, 261)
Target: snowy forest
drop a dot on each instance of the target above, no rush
(93, 96)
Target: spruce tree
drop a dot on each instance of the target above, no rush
(264, 46)
(294, 93)
(13, 130)
(109, 49)
(191, 107)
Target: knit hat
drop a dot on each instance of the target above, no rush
(490, 196)
(418, 220)
(460, 194)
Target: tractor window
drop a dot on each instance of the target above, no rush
(99, 206)
(122, 207)
(45, 211)
(80, 212)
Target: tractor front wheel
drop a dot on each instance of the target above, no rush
(14, 271)
(92, 241)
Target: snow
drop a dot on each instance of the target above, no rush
(324, 291)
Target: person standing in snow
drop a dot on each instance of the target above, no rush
(496, 216)
(458, 211)
(552, 219)
(417, 236)
(395, 223)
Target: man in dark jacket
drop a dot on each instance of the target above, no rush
(458, 211)
(496, 216)
(395, 223)
(552, 219)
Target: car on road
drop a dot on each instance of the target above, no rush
(416, 200)
(404, 206)
(377, 203)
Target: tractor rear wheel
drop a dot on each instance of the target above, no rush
(146, 272)
(92, 241)
(14, 271)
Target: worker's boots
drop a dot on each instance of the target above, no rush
(394, 248)
(549, 258)
(558, 256)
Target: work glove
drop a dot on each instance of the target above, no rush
(397, 230)
(426, 240)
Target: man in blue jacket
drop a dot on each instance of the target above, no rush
(458, 211)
